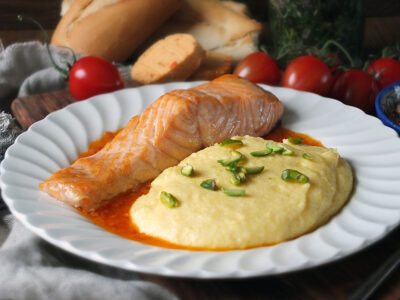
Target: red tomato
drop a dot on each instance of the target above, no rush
(357, 88)
(308, 73)
(259, 67)
(90, 76)
(385, 70)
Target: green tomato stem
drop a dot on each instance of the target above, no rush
(341, 48)
(64, 72)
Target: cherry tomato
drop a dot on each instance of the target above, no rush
(308, 73)
(259, 67)
(90, 76)
(357, 88)
(385, 70)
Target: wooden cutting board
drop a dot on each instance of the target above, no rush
(27, 110)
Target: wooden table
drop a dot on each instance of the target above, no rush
(336, 280)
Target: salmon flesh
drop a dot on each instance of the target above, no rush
(177, 124)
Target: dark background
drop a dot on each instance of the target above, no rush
(382, 26)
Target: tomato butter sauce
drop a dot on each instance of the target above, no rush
(114, 216)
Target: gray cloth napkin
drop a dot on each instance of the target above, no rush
(25, 69)
(31, 268)
(34, 269)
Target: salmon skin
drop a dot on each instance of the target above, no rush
(174, 126)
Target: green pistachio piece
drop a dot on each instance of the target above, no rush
(275, 148)
(187, 171)
(209, 184)
(168, 200)
(294, 175)
(287, 152)
(236, 156)
(295, 140)
(254, 170)
(234, 192)
(231, 142)
(261, 153)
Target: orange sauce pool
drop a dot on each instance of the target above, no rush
(114, 216)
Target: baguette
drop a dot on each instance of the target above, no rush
(111, 29)
(175, 57)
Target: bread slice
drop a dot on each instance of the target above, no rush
(173, 58)
(214, 65)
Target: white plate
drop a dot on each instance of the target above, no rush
(374, 209)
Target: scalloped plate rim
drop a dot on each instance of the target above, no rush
(200, 273)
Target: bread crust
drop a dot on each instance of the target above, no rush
(114, 30)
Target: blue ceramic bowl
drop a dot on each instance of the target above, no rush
(385, 102)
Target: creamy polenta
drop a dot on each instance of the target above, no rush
(271, 210)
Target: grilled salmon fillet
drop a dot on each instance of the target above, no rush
(174, 126)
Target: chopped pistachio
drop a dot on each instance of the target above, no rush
(232, 142)
(275, 148)
(234, 192)
(306, 156)
(235, 179)
(261, 153)
(187, 171)
(209, 184)
(233, 167)
(294, 175)
(242, 175)
(287, 152)
(168, 200)
(236, 156)
(254, 170)
(295, 140)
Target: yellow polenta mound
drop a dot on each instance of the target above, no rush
(271, 211)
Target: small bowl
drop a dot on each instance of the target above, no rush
(385, 102)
